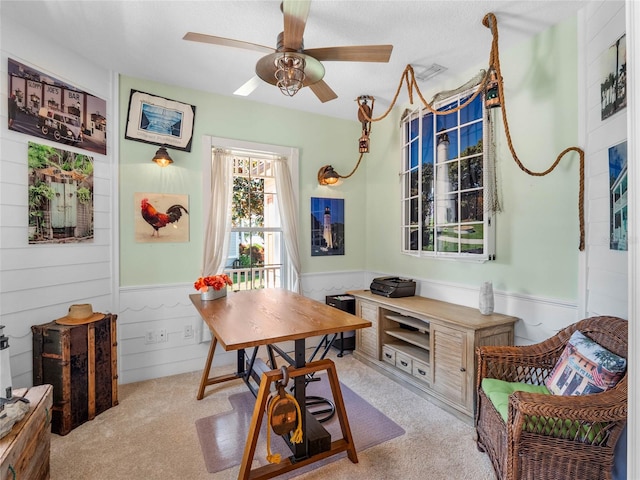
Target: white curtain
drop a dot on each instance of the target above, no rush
(218, 218)
(288, 216)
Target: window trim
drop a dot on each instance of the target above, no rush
(488, 155)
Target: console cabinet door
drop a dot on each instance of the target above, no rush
(367, 338)
(449, 350)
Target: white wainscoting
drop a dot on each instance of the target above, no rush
(319, 285)
(148, 310)
(540, 317)
(167, 307)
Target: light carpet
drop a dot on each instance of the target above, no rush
(223, 436)
(150, 435)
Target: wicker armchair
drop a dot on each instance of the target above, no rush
(549, 436)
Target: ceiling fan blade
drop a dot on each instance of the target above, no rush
(362, 53)
(323, 91)
(295, 19)
(226, 42)
(248, 88)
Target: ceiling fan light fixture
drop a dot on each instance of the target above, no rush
(289, 73)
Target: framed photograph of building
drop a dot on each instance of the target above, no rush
(613, 89)
(45, 107)
(327, 226)
(60, 195)
(160, 121)
(618, 197)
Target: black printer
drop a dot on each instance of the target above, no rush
(393, 287)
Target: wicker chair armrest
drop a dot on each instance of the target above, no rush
(609, 406)
(595, 419)
(518, 354)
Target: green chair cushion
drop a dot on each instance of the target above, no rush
(498, 392)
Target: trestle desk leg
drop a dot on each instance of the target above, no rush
(205, 380)
(286, 465)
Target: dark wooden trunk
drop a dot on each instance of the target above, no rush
(80, 361)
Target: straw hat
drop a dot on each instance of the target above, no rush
(79, 314)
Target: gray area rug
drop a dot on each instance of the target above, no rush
(223, 436)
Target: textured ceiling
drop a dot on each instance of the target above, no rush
(144, 39)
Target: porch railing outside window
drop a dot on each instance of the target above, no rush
(257, 277)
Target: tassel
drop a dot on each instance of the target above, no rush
(296, 436)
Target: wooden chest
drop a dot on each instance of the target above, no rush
(24, 451)
(80, 361)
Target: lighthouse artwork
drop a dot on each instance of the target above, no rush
(327, 226)
(326, 231)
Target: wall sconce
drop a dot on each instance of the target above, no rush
(328, 176)
(162, 157)
(491, 93)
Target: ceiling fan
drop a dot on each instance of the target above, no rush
(289, 66)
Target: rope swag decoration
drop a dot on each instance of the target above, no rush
(408, 78)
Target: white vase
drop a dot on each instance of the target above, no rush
(485, 304)
(212, 294)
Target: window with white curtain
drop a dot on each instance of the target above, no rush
(445, 178)
(250, 196)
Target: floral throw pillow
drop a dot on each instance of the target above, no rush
(585, 367)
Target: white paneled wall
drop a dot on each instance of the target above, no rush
(319, 285)
(606, 276)
(39, 282)
(144, 313)
(539, 317)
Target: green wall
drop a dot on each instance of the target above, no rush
(320, 140)
(538, 230)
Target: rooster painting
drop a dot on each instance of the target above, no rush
(157, 219)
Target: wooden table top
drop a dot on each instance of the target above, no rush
(249, 318)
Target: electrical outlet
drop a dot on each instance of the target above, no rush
(162, 335)
(188, 331)
(150, 337)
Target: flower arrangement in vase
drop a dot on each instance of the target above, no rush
(213, 286)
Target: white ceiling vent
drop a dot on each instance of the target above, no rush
(423, 73)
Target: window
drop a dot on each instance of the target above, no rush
(250, 195)
(256, 247)
(444, 182)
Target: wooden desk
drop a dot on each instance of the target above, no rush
(253, 318)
